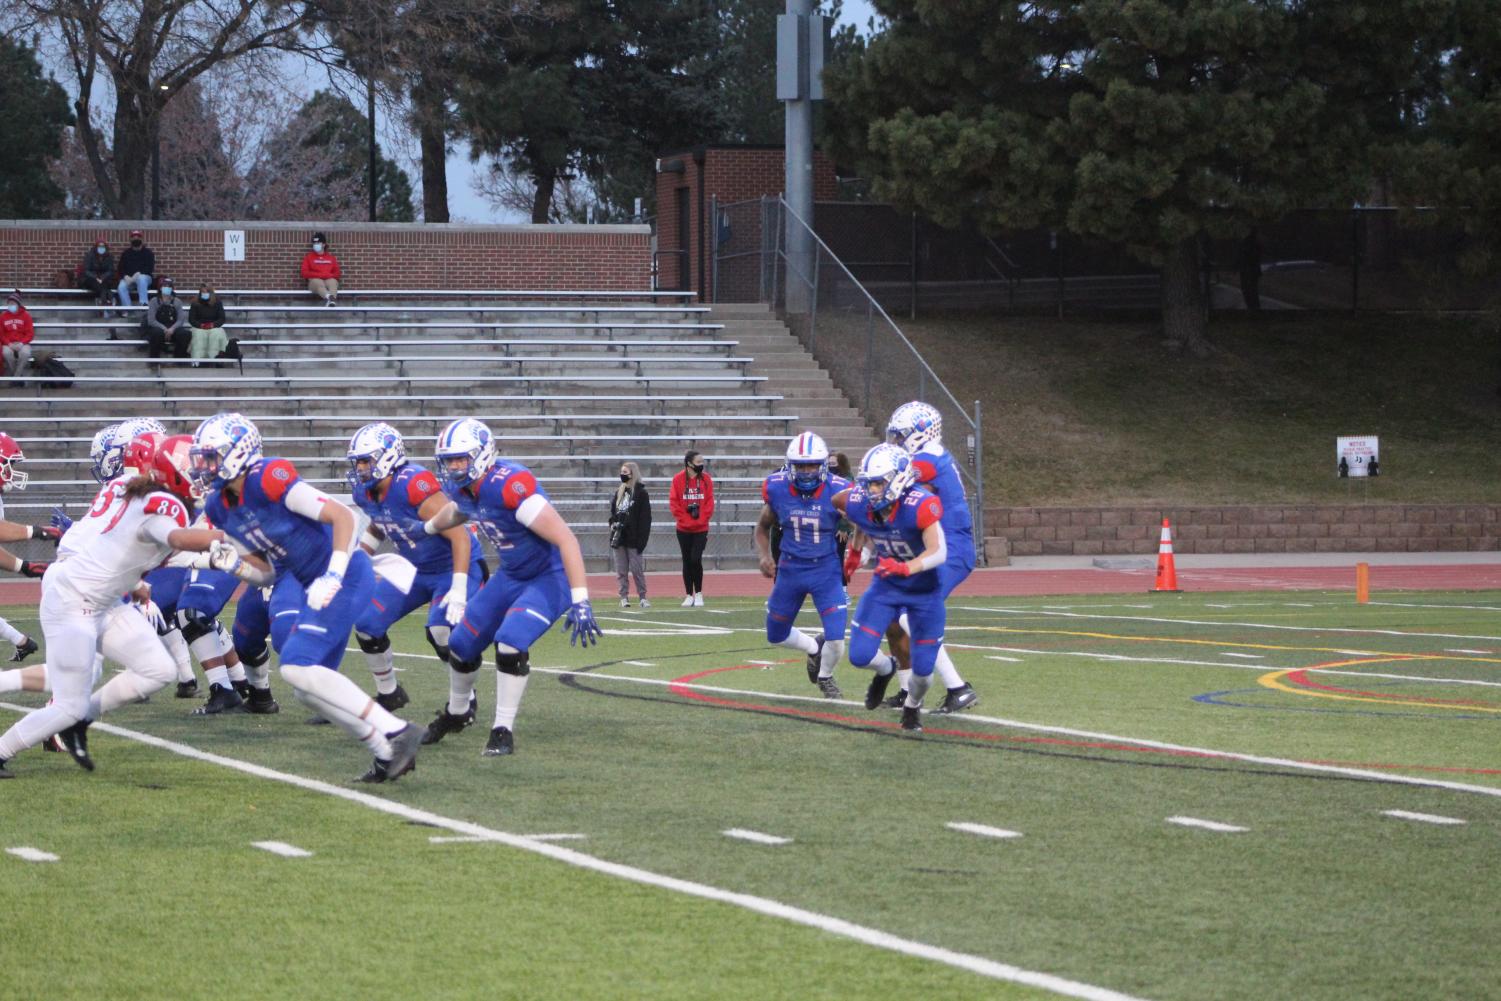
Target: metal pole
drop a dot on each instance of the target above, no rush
(870, 348)
(798, 162)
(813, 303)
(979, 513)
(714, 247)
(156, 173)
(776, 254)
(370, 105)
(912, 313)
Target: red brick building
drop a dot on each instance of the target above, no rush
(689, 181)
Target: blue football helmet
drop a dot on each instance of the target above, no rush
(464, 439)
(224, 446)
(381, 448)
(885, 475)
(808, 462)
(914, 425)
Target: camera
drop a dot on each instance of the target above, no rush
(693, 510)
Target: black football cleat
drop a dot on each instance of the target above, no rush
(815, 660)
(404, 745)
(261, 703)
(877, 690)
(241, 687)
(912, 719)
(187, 689)
(379, 771)
(316, 720)
(446, 722)
(76, 742)
(392, 701)
(4, 774)
(24, 649)
(501, 741)
(896, 701)
(957, 699)
(829, 688)
(221, 699)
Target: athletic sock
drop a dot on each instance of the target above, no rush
(11, 634)
(10, 681)
(362, 730)
(947, 672)
(341, 694)
(217, 675)
(460, 688)
(904, 679)
(832, 651)
(917, 688)
(259, 676)
(799, 640)
(882, 663)
(508, 691)
(383, 670)
(178, 648)
(33, 728)
(237, 672)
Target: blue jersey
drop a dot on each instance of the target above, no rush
(395, 514)
(491, 503)
(898, 534)
(260, 521)
(937, 472)
(810, 522)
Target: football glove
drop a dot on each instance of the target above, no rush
(321, 592)
(223, 556)
(582, 629)
(51, 533)
(31, 568)
(60, 519)
(852, 561)
(456, 600)
(889, 567)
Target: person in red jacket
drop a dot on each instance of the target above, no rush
(691, 501)
(16, 332)
(321, 269)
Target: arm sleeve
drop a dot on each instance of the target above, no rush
(28, 330)
(307, 271)
(528, 510)
(307, 500)
(642, 512)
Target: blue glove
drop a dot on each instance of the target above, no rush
(60, 519)
(582, 629)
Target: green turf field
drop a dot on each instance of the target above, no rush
(1100, 718)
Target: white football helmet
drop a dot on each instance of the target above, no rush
(104, 458)
(381, 448)
(914, 425)
(808, 461)
(128, 431)
(886, 474)
(465, 438)
(224, 446)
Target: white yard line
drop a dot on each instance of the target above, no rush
(756, 836)
(981, 830)
(1426, 818)
(468, 840)
(1208, 825)
(996, 656)
(1436, 605)
(32, 854)
(893, 942)
(639, 663)
(1480, 652)
(1244, 656)
(1244, 625)
(281, 848)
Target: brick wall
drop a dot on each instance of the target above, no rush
(726, 174)
(373, 255)
(1285, 528)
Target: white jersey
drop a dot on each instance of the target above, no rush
(105, 553)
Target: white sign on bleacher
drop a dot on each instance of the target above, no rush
(234, 244)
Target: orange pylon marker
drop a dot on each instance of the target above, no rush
(1362, 583)
(1167, 573)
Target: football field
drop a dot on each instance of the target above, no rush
(1228, 795)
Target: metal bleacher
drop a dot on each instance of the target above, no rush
(571, 383)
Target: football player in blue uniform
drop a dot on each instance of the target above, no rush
(904, 524)
(801, 499)
(291, 535)
(440, 570)
(918, 428)
(540, 577)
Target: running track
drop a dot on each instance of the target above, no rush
(1008, 582)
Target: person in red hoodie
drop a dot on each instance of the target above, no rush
(16, 332)
(691, 501)
(321, 269)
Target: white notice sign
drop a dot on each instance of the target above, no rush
(234, 244)
(1358, 455)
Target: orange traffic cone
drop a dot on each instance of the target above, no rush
(1167, 573)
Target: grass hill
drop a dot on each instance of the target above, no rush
(1086, 412)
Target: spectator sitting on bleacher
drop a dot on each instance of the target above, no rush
(16, 332)
(137, 265)
(97, 272)
(206, 318)
(167, 320)
(321, 269)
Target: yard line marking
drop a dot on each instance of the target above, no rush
(465, 839)
(1481, 652)
(1011, 660)
(1208, 825)
(981, 829)
(281, 848)
(1244, 656)
(1210, 604)
(1244, 625)
(716, 611)
(1437, 604)
(761, 905)
(556, 837)
(32, 854)
(639, 663)
(1066, 731)
(763, 663)
(1300, 604)
(1427, 818)
(756, 836)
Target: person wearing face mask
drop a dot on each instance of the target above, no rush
(322, 271)
(167, 321)
(206, 320)
(630, 527)
(97, 273)
(137, 265)
(691, 501)
(16, 332)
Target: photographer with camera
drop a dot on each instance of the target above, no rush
(692, 503)
(630, 527)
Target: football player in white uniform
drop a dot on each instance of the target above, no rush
(133, 525)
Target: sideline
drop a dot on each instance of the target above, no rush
(760, 905)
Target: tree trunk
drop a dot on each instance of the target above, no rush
(134, 142)
(542, 196)
(427, 99)
(1183, 317)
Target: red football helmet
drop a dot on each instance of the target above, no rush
(139, 453)
(171, 462)
(11, 478)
